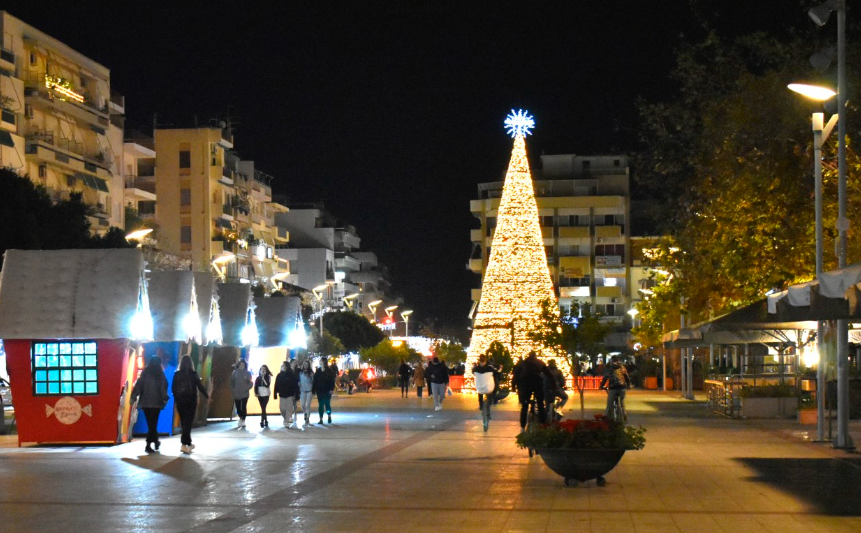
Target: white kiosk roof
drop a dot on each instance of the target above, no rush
(69, 294)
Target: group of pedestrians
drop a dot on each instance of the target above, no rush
(435, 376)
(293, 388)
(541, 384)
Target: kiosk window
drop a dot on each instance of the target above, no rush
(65, 368)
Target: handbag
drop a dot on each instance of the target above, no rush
(262, 391)
(448, 391)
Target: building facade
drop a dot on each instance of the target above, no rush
(62, 124)
(584, 209)
(214, 208)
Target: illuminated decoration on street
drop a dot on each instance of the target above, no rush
(519, 124)
(517, 278)
(250, 336)
(297, 339)
(141, 327)
(213, 329)
(63, 87)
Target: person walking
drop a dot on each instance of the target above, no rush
(323, 386)
(306, 388)
(617, 382)
(287, 387)
(404, 373)
(483, 373)
(419, 378)
(240, 384)
(439, 382)
(150, 391)
(263, 391)
(186, 384)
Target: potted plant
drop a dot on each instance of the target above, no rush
(769, 401)
(580, 450)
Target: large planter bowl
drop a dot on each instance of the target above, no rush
(577, 465)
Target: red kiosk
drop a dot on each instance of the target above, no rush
(69, 320)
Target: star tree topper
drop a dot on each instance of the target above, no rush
(518, 123)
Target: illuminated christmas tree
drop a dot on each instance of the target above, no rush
(516, 279)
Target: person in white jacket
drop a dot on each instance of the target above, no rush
(484, 385)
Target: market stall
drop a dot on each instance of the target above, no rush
(176, 332)
(279, 320)
(69, 320)
(237, 320)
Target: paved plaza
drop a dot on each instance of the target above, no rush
(392, 464)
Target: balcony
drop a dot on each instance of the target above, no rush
(475, 265)
(349, 240)
(7, 60)
(368, 276)
(608, 260)
(227, 212)
(9, 121)
(40, 96)
(347, 262)
(476, 235)
(46, 147)
(281, 234)
(608, 232)
(574, 232)
(117, 103)
(140, 188)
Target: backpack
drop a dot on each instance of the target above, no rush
(184, 386)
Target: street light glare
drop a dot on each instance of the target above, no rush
(227, 256)
(138, 234)
(320, 287)
(407, 313)
(391, 308)
(814, 92)
(375, 302)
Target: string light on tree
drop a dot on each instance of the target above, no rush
(517, 278)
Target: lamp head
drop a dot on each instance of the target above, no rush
(822, 59)
(814, 92)
(820, 14)
(406, 314)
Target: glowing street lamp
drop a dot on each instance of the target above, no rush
(821, 132)
(406, 315)
(222, 259)
(373, 307)
(139, 234)
(348, 299)
(390, 309)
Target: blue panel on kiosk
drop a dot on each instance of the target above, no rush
(169, 354)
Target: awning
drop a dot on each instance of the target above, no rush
(92, 181)
(6, 139)
(222, 223)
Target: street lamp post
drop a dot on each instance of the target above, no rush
(406, 315)
(389, 311)
(348, 299)
(319, 294)
(820, 15)
(373, 307)
(821, 131)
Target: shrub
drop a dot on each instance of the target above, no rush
(577, 434)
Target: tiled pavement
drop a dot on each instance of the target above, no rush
(392, 464)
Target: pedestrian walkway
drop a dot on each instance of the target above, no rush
(393, 464)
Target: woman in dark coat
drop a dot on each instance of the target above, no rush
(404, 373)
(150, 391)
(262, 390)
(323, 386)
(185, 386)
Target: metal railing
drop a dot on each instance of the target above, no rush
(723, 395)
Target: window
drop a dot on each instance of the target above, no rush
(185, 234)
(610, 249)
(43, 171)
(65, 368)
(184, 159)
(546, 221)
(586, 164)
(583, 220)
(32, 58)
(146, 207)
(616, 163)
(185, 197)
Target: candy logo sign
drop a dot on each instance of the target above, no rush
(68, 410)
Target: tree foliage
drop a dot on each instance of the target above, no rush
(30, 220)
(328, 345)
(501, 357)
(730, 163)
(354, 331)
(387, 357)
(452, 353)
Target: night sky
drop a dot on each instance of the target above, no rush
(391, 112)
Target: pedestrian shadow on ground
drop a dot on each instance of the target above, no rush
(183, 468)
(828, 486)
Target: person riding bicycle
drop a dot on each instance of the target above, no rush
(484, 383)
(617, 382)
(529, 384)
(555, 388)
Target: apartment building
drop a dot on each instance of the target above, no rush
(61, 123)
(584, 209)
(214, 208)
(323, 251)
(139, 174)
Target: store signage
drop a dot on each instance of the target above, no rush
(68, 410)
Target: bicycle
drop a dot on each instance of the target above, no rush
(617, 410)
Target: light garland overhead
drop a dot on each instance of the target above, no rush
(517, 278)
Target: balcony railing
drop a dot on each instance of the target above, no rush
(136, 182)
(7, 55)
